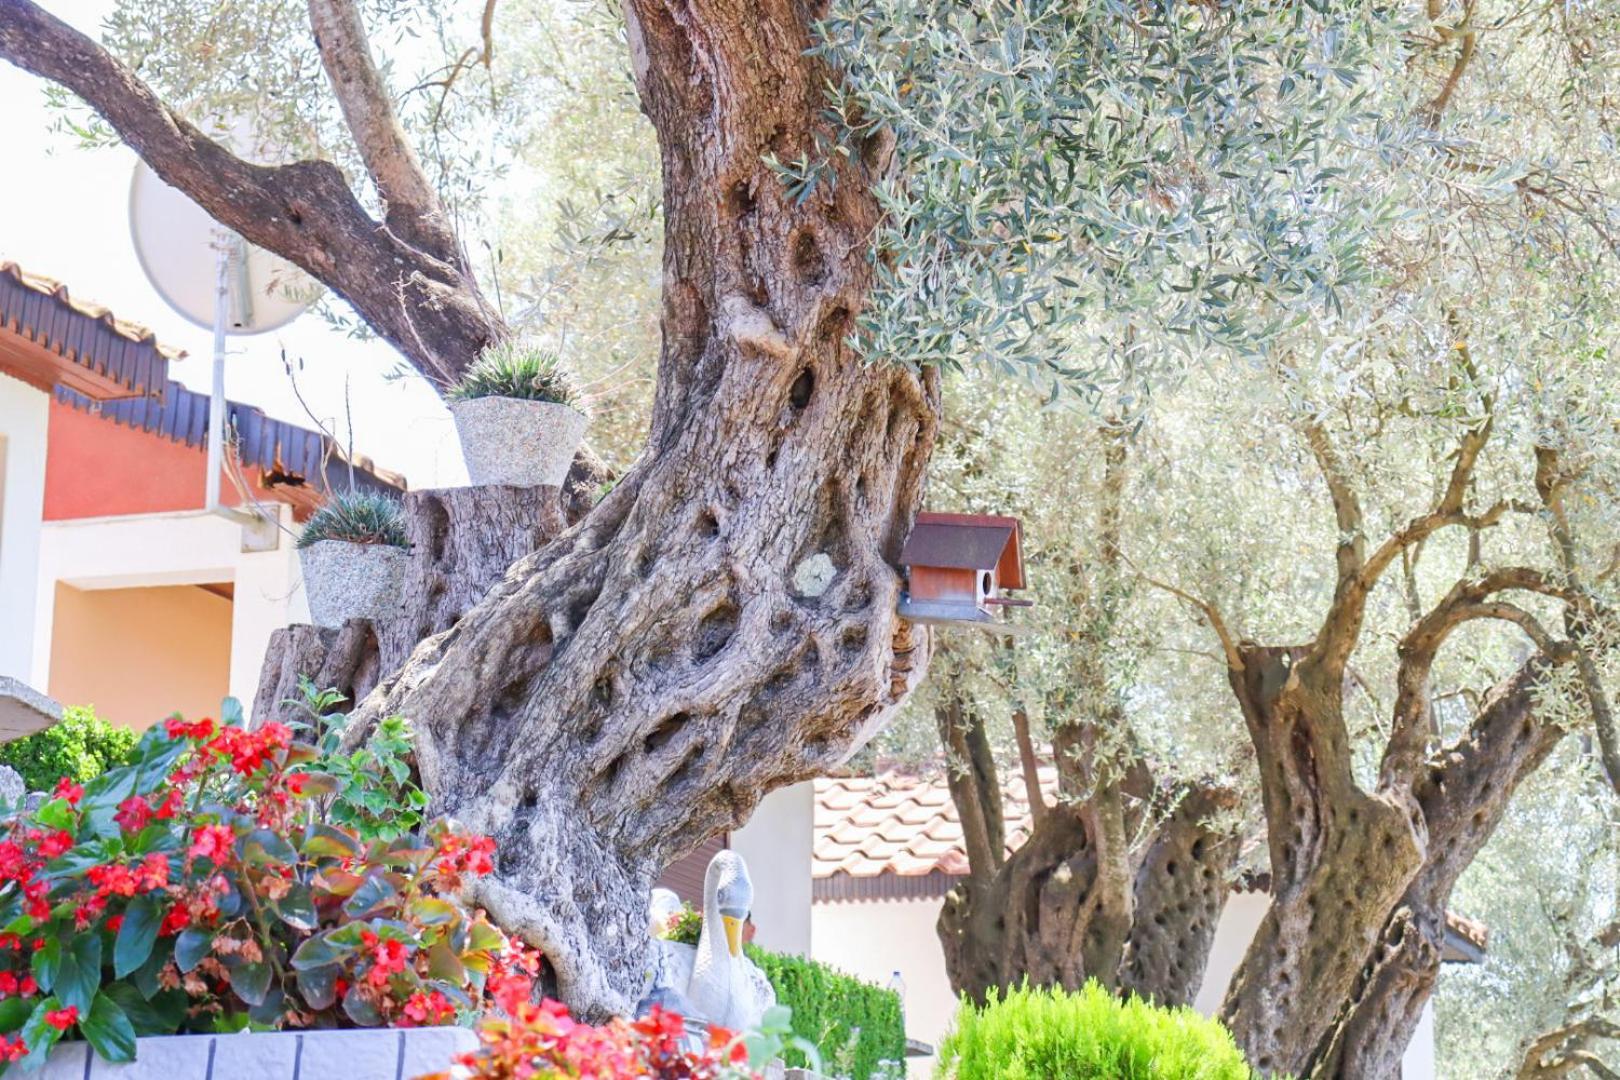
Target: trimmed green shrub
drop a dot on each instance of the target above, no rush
(360, 517)
(1050, 1034)
(828, 1006)
(514, 370)
(81, 746)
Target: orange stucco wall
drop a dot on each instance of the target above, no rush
(138, 655)
(96, 468)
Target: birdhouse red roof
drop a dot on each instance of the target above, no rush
(968, 542)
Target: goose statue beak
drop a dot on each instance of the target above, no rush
(733, 927)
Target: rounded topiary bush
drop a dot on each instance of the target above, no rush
(1048, 1034)
(80, 746)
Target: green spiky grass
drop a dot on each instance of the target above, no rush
(515, 370)
(360, 517)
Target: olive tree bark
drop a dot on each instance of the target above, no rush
(1462, 802)
(1124, 886)
(1123, 878)
(464, 540)
(1463, 793)
(723, 622)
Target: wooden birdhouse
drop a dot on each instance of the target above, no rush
(957, 567)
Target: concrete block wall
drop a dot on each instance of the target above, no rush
(381, 1054)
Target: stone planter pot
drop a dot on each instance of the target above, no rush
(352, 581)
(374, 1054)
(517, 443)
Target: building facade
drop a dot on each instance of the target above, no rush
(120, 588)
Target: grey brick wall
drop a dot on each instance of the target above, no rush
(398, 1054)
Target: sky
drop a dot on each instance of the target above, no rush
(66, 217)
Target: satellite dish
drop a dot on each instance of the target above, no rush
(179, 247)
(215, 279)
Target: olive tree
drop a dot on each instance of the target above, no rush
(600, 696)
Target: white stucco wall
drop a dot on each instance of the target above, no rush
(1418, 1063)
(776, 845)
(1242, 916)
(874, 938)
(24, 420)
(183, 548)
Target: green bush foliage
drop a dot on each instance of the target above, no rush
(828, 1006)
(360, 517)
(81, 746)
(515, 370)
(377, 796)
(687, 928)
(1048, 1034)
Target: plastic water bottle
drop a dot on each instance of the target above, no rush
(898, 985)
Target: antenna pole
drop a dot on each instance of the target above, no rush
(216, 400)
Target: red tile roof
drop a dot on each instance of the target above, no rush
(903, 825)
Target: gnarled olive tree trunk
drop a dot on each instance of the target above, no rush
(1124, 885)
(722, 623)
(1339, 971)
(1122, 878)
(1462, 803)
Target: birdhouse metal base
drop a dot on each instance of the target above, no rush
(948, 613)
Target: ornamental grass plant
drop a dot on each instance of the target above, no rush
(516, 370)
(357, 517)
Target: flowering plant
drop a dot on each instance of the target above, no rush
(195, 889)
(542, 1042)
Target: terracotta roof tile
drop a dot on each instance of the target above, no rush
(1473, 931)
(893, 824)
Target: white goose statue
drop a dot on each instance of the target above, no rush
(717, 982)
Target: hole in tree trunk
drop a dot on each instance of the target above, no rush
(438, 527)
(666, 731)
(714, 631)
(808, 264)
(799, 393)
(684, 771)
(602, 690)
(579, 607)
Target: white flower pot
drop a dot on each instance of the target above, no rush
(517, 443)
(344, 581)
